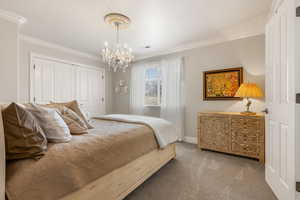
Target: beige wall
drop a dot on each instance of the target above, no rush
(8, 61)
(25, 50)
(120, 102)
(249, 53)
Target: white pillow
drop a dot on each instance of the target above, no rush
(54, 127)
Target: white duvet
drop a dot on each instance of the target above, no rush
(164, 130)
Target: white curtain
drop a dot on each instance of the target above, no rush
(137, 89)
(172, 105)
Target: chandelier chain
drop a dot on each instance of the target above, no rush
(118, 32)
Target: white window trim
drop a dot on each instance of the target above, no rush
(158, 88)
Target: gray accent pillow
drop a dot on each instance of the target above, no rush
(54, 127)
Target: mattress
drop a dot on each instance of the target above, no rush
(67, 167)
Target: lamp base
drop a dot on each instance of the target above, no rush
(248, 113)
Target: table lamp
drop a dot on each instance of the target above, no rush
(249, 90)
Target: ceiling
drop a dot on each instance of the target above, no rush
(162, 24)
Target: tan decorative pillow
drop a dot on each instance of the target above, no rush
(73, 105)
(74, 122)
(54, 127)
(24, 138)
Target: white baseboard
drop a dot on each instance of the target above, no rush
(192, 140)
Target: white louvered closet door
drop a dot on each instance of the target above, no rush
(42, 81)
(96, 94)
(64, 82)
(52, 80)
(90, 96)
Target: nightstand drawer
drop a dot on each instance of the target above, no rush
(245, 139)
(246, 149)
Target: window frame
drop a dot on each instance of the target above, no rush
(159, 83)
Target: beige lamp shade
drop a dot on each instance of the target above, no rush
(249, 90)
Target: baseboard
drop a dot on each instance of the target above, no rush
(192, 140)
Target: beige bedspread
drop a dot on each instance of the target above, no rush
(69, 166)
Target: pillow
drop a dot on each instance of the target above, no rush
(54, 127)
(24, 138)
(73, 105)
(76, 125)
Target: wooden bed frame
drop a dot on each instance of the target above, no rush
(113, 186)
(120, 182)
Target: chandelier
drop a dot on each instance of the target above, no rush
(118, 57)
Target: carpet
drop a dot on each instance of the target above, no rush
(204, 175)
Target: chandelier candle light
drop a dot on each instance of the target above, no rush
(120, 57)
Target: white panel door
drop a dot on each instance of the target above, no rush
(58, 81)
(43, 81)
(64, 82)
(280, 161)
(82, 87)
(96, 97)
(91, 90)
(102, 92)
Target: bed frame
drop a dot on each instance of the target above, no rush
(120, 182)
(113, 186)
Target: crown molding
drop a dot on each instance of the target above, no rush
(12, 17)
(199, 44)
(245, 29)
(40, 42)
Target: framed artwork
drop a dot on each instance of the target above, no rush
(222, 84)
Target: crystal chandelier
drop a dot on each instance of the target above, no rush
(120, 56)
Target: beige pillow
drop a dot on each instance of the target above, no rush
(24, 138)
(73, 105)
(54, 127)
(76, 125)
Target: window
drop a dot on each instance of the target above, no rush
(153, 88)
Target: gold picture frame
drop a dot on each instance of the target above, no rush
(222, 84)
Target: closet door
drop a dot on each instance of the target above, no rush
(82, 87)
(42, 81)
(91, 90)
(57, 81)
(64, 82)
(95, 96)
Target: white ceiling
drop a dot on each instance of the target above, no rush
(162, 24)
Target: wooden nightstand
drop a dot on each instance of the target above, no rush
(232, 133)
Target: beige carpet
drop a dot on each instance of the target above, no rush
(205, 175)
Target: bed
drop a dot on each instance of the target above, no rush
(128, 154)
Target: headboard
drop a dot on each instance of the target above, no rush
(2, 158)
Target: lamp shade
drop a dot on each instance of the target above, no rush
(249, 90)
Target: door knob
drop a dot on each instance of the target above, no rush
(266, 111)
